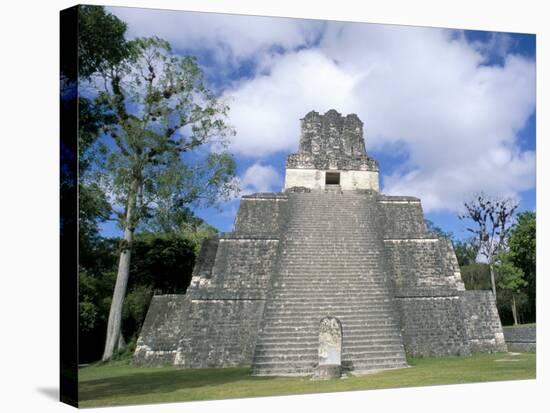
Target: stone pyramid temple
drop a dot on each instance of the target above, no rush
(329, 272)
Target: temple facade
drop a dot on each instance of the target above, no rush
(327, 276)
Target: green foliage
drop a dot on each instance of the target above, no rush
(466, 251)
(522, 241)
(163, 111)
(101, 43)
(504, 305)
(101, 40)
(509, 277)
(135, 309)
(162, 263)
(124, 356)
(92, 118)
(476, 276)
(510, 281)
(156, 109)
(88, 314)
(522, 251)
(93, 208)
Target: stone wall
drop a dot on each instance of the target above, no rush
(216, 322)
(483, 327)
(205, 260)
(219, 333)
(521, 338)
(261, 214)
(225, 311)
(158, 340)
(241, 270)
(426, 281)
(403, 217)
(433, 326)
(420, 268)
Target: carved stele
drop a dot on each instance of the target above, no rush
(330, 348)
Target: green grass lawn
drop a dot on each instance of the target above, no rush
(118, 383)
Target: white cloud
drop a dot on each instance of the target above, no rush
(426, 90)
(260, 178)
(267, 109)
(228, 36)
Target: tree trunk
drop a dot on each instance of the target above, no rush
(514, 310)
(115, 313)
(493, 285)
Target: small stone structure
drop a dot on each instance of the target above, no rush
(330, 348)
(331, 246)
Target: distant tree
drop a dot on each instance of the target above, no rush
(437, 231)
(523, 254)
(492, 221)
(476, 276)
(179, 220)
(163, 261)
(163, 112)
(510, 279)
(466, 251)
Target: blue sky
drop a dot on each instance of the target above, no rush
(447, 113)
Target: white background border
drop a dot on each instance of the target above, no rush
(29, 209)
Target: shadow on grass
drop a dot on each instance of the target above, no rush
(162, 381)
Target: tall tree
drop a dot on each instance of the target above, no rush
(492, 221)
(510, 279)
(101, 44)
(163, 112)
(523, 254)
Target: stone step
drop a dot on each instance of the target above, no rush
(350, 280)
(347, 266)
(331, 261)
(327, 286)
(360, 357)
(288, 331)
(370, 333)
(313, 337)
(352, 326)
(312, 310)
(308, 367)
(313, 320)
(312, 302)
(354, 302)
(314, 350)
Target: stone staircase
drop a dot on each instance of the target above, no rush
(331, 263)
